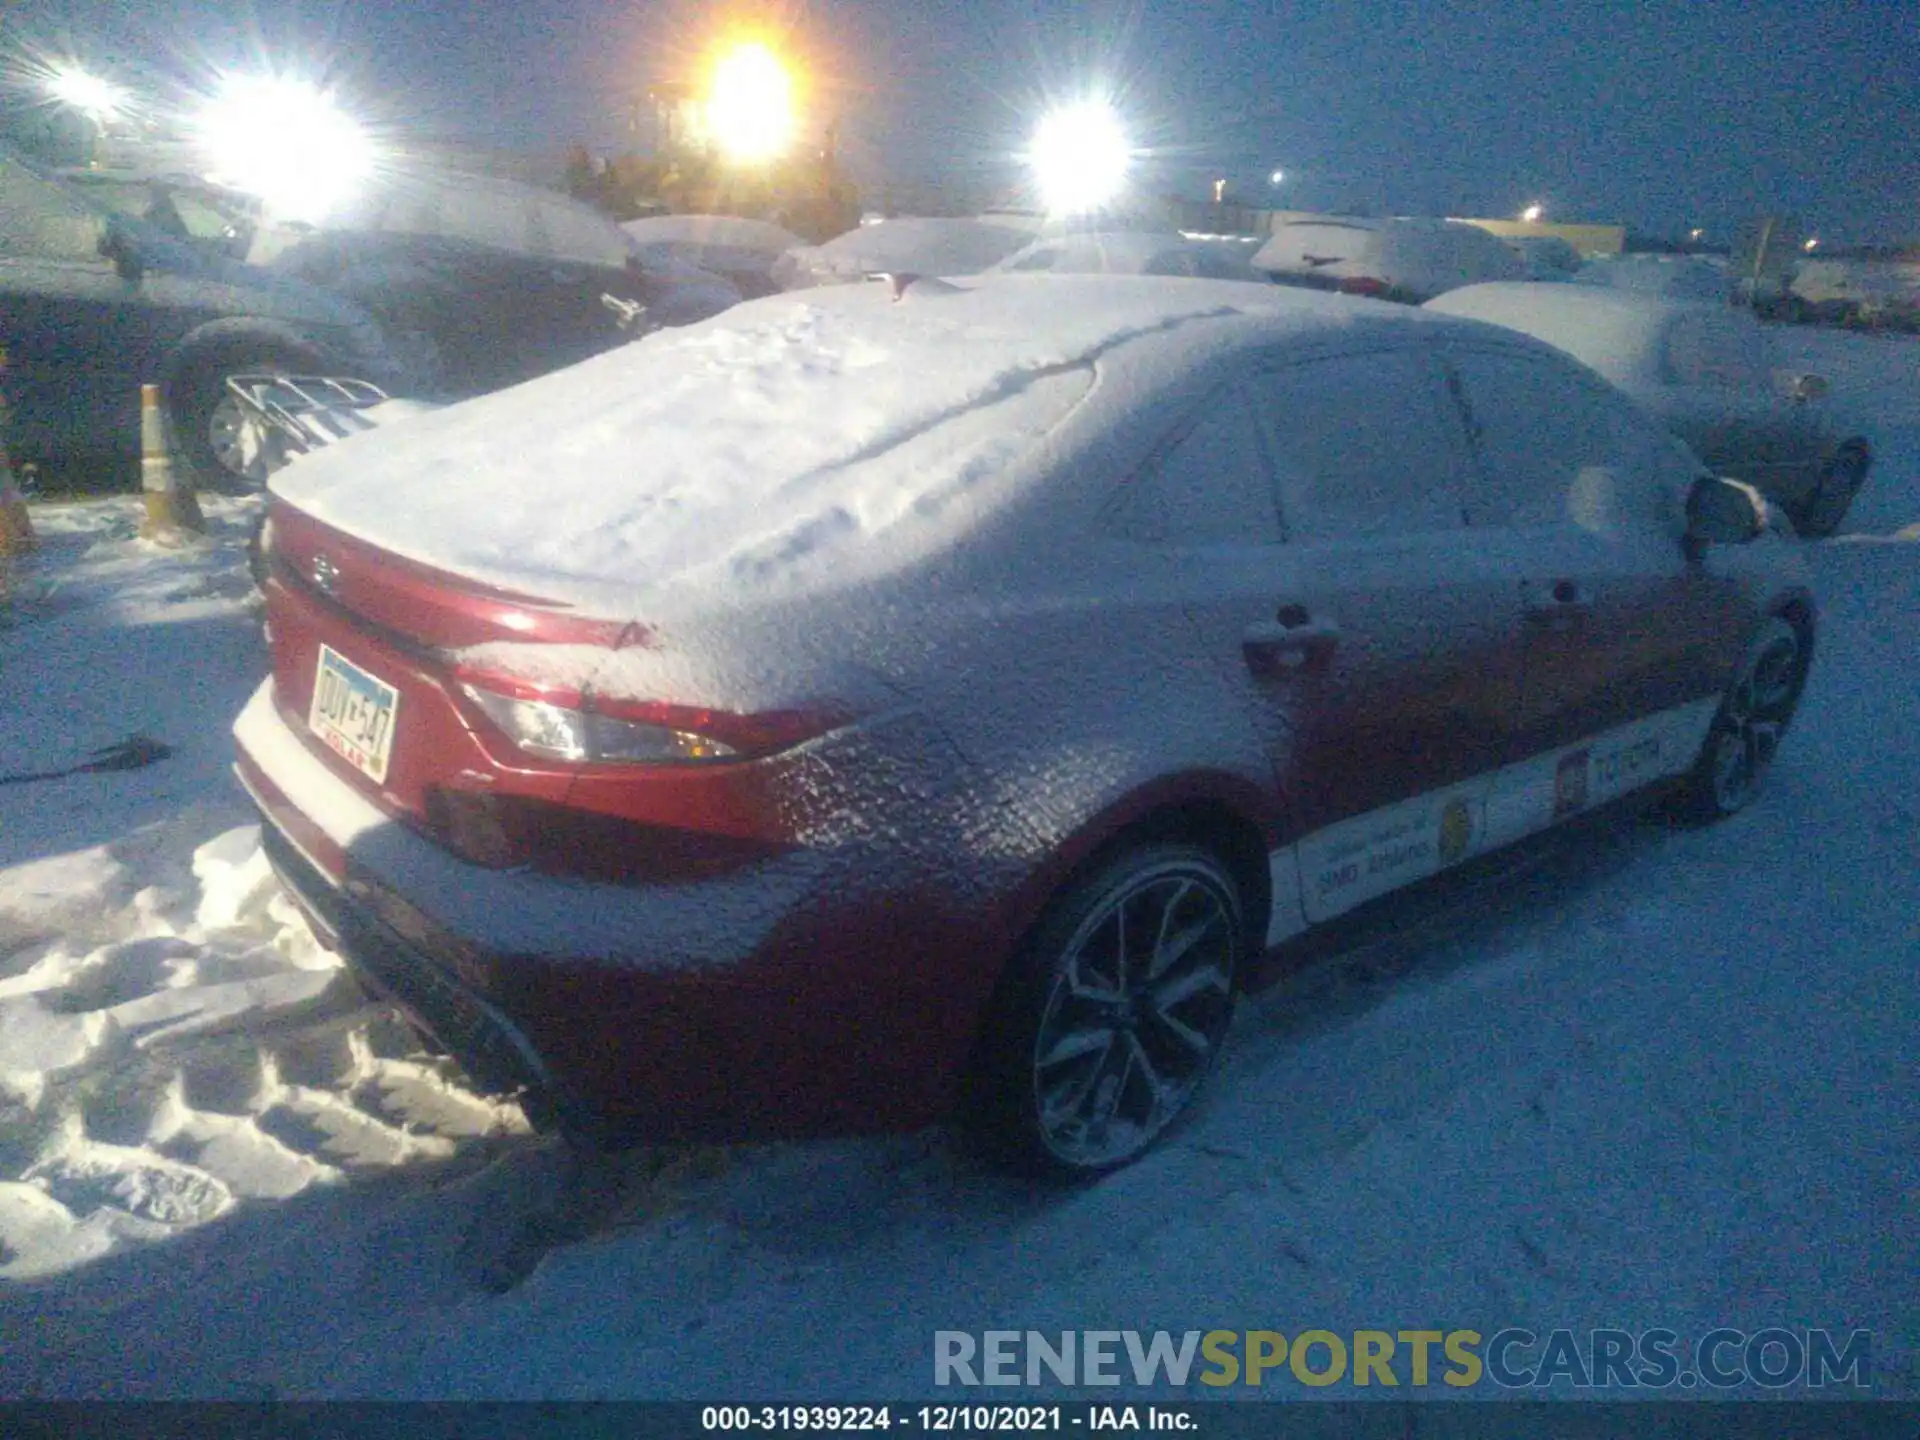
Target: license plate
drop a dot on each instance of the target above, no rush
(353, 713)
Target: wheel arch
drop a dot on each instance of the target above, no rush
(234, 334)
(1217, 810)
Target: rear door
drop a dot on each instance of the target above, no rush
(1627, 643)
(1378, 648)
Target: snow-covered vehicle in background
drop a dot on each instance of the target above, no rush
(1405, 259)
(910, 245)
(956, 726)
(1133, 252)
(473, 283)
(96, 302)
(1876, 294)
(491, 281)
(1670, 277)
(1701, 368)
(742, 251)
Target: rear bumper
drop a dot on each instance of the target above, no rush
(789, 1000)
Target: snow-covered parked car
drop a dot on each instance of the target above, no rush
(910, 245)
(1407, 260)
(493, 281)
(742, 250)
(954, 725)
(96, 302)
(1671, 277)
(1132, 253)
(1701, 367)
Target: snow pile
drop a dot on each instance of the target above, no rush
(174, 1043)
(745, 454)
(909, 246)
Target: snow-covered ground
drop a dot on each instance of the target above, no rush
(1661, 1078)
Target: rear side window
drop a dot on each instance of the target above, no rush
(1209, 485)
(1364, 445)
(40, 221)
(1556, 448)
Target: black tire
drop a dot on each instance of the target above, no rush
(1820, 514)
(201, 411)
(1749, 725)
(1095, 1047)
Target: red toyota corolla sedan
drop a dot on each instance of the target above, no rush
(899, 702)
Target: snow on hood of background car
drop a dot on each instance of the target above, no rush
(756, 454)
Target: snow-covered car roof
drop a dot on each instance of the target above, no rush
(919, 245)
(761, 451)
(1620, 333)
(482, 210)
(1131, 253)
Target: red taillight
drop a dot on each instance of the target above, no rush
(748, 735)
(1364, 285)
(559, 722)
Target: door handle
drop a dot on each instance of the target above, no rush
(1556, 604)
(1293, 640)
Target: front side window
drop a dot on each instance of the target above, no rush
(1365, 445)
(1554, 448)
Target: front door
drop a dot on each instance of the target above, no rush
(1378, 642)
(1627, 642)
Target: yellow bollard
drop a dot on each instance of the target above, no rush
(173, 511)
(16, 526)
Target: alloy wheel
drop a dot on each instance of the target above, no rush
(1752, 720)
(1139, 1006)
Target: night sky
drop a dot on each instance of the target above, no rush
(1663, 115)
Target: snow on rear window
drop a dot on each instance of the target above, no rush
(772, 446)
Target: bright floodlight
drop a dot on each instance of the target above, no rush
(751, 110)
(1532, 213)
(1080, 157)
(86, 93)
(1276, 177)
(1812, 244)
(286, 142)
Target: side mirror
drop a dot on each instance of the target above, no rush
(1723, 512)
(116, 246)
